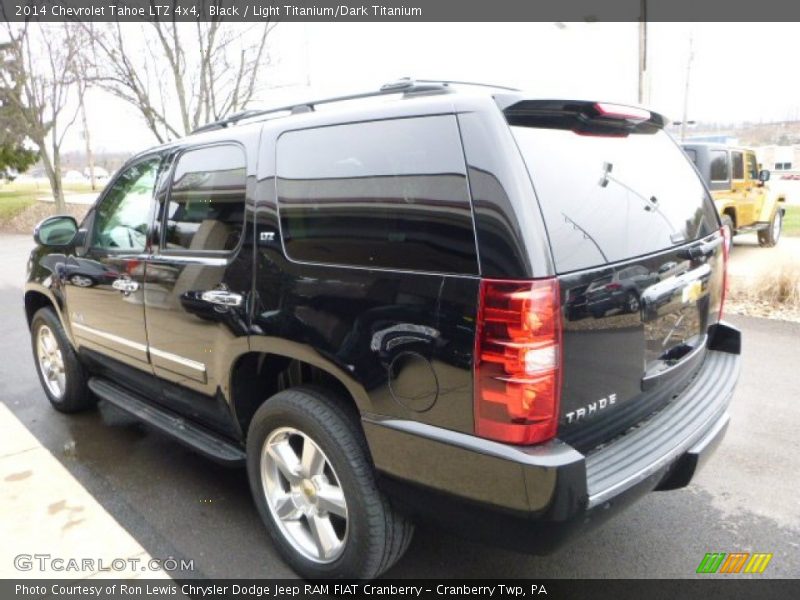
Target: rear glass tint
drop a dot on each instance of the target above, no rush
(605, 199)
(390, 194)
(719, 165)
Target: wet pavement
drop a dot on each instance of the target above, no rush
(174, 503)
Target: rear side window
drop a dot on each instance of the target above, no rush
(737, 165)
(388, 194)
(205, 205)
(719, 165)
(610, 198)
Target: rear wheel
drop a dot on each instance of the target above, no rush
(315, 489)
(61, 374)
(767, 238)
(727, 223)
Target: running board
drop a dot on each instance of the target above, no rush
(198, 439)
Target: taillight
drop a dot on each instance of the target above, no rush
(518, 361)
(726, 245)
(618, 111)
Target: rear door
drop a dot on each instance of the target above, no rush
(636, 245)
(198, 281)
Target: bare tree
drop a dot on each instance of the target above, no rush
(181, 75)
(37, 78)
(83, 74)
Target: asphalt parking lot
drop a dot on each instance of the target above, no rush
(175, 503)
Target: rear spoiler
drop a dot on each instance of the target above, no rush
(583, 117)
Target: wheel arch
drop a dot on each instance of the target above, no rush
(273, 364)
(38, 297)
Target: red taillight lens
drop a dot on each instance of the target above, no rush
(618, 111)
(726, 245)
(518, 361)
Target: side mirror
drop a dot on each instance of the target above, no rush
(763, 175)
(59, 230)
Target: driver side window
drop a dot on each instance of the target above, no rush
(123, 216)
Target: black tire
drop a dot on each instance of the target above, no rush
(767, 238)
(75, 396)
(727, 223)
(376, 535)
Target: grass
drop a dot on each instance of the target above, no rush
(13, 203)
(791, 221)
(15, 197)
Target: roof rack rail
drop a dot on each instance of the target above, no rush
(474, 83)
(405, 85)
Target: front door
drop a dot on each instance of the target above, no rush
(104, 288)
(198, 281)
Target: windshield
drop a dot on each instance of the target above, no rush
(610, 198)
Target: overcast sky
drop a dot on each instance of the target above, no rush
(739, 72)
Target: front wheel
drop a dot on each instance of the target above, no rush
(61, 374)
(767, 238)
(315, 489)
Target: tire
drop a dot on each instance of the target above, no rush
(767, 238)
(727, 223)
(370, 535)
(632, 303)
(60, 372)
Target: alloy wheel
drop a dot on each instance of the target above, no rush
(304, 495)
(51, 361)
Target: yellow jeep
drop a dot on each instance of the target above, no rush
(740, 191)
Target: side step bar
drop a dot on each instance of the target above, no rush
(198, 439)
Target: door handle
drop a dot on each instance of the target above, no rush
(126, 286)
(222, 298)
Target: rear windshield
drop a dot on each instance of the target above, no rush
(605, 199)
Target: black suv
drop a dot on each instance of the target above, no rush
(386, 306)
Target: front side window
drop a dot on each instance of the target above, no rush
(737, 162)
(206, 201)
(752, 166)
(123, 215)
(389, 194)
(719, 165)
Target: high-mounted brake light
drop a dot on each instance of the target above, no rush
(518, 361)
(726, 249)
(618, 111)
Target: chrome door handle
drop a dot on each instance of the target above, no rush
(222, 298)
(126, 286)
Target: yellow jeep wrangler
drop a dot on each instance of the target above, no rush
(744, 201)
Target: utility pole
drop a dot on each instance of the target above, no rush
(643, 53)
(686, 89)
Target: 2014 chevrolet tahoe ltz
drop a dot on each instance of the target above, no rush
(443, 301)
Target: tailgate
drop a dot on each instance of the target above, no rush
(636, 245)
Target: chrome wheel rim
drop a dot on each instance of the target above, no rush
(304, 495)
(633, 303)
(51, 361)
(81, 281)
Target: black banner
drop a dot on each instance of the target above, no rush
(400, 10)
(729, 588)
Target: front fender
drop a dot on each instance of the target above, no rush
(768, 208)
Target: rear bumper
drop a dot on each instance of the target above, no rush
(532, 498)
